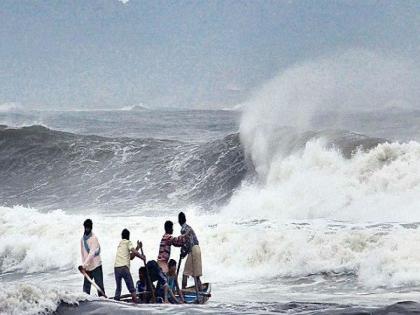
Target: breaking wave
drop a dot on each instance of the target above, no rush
(52, 169)
(380, 185)
(25, 299)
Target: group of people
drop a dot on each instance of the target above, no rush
(163, 271)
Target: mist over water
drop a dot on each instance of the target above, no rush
(315, 200)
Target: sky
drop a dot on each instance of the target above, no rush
(181, 54)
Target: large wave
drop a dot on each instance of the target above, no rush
(321, 93)
(380, 185)
(333, 174)
(51, 169)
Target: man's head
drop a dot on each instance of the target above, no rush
(142, 274)
(88, 226)
(181, 218)
(172, 266)
(169, 227)
(125, 234)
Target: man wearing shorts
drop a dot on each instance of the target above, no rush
(191, 249)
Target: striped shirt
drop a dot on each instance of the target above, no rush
(165, 246)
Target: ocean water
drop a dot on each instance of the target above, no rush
(318, 219)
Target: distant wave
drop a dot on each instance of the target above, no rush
(135, 108)
(10, 107)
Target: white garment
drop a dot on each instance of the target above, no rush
(89, 260)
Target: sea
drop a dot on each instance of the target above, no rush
(315, 218)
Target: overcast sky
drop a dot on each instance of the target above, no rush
(195, 54)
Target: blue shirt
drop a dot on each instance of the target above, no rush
(140, 287)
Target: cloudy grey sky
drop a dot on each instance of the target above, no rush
(195, 54)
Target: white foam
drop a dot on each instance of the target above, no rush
(319, 187)
(22, 299)
(233, 249)
(380, 185)
(33, 242)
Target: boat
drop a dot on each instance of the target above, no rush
(190, 295)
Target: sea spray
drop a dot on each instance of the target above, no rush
(379, 185)
(343, 82)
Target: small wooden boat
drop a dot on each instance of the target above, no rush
(190, 295)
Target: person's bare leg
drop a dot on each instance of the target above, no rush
(200, 286)
(196, 289)
(165, 294)
(184, 281)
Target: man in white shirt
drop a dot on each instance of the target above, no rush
(91, 258)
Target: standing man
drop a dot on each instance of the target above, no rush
(192, 249)
(91, 258)
(165, 245)
(125, 253)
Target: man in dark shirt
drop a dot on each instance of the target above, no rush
(191, 249)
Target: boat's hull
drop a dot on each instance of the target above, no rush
(190, 295)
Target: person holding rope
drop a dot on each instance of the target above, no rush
(91, 258)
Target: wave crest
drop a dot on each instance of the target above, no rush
(52, 169)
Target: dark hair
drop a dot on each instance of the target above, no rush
(125, 234)
(88, 223)
(171, 263)
(181, 218)
(142, 270)
(169, 226)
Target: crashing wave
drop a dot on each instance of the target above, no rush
(52, 169)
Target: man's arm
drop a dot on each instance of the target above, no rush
(181, 240)
(178, 241)
(134, 252)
